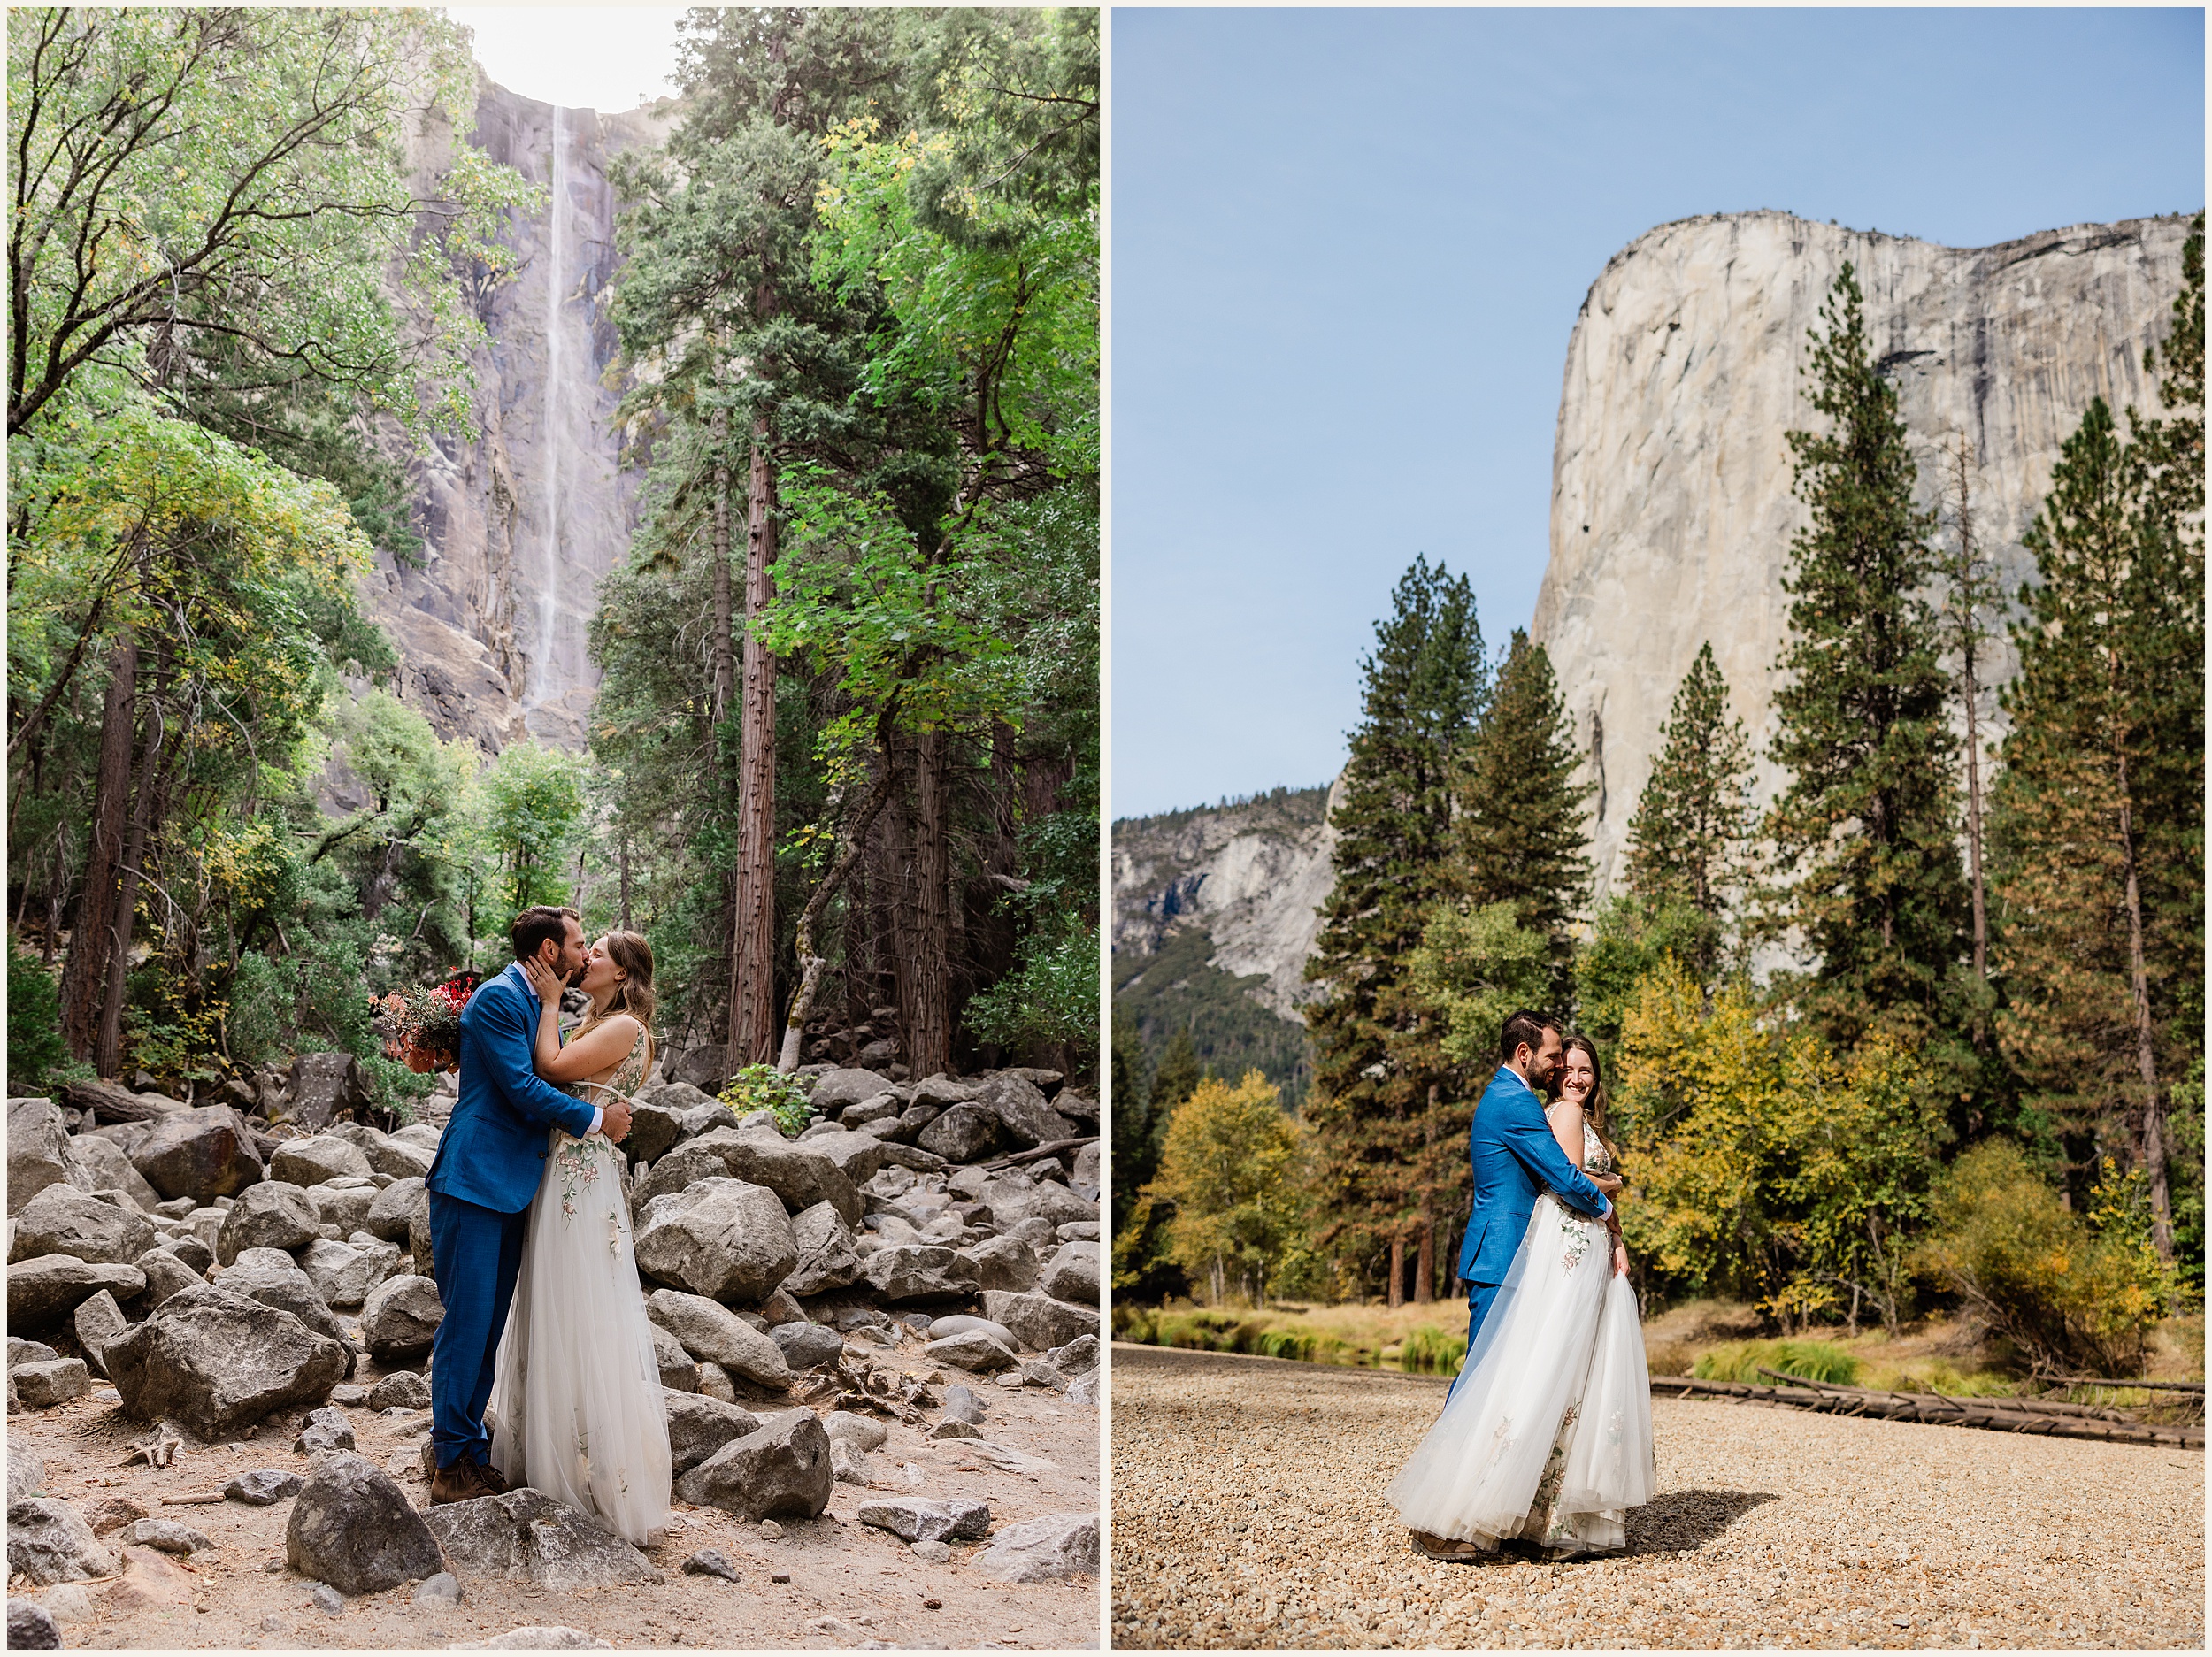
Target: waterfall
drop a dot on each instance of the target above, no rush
(549, 486)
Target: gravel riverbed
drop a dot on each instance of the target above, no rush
(1249, 1511)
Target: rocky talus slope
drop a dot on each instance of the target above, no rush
(1671, 511)
(901, 1304)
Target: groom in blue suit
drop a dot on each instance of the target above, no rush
(1515, 1157)
(489, 1160)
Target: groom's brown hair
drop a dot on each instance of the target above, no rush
(1525, 1028)
(535, 925)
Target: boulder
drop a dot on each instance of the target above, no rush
(400, 1317)
(97, 1321)
(698, 1426)
(269, 1276)
(855, 1155)
(402, 1389)
(418, 1239)
(1022, 1111)
(353, 1527)
(38, 1148)
(1086, 1181)
(679, 1170)
(826, 1257)
(31, 1627)
(654, 1130)
(964, 1133)
(323, 1087)
(912, 1120)
(306, 1163)
(389, 1210)
(345, 1203)
(203, 1153)
(166, 1272)
(704, 1067)
(219, 1362)
(1058, 1545)
(1077, 1107)
(805, 1345)
(912, 1519)
(965, 1323)
(63, 1220)
(112, 1513)
(877, 1109)
(50, 1542)
(264, 1487)
(43, 1385)
(272, 1215)
(98, 1164)
(918, 1271)
(1072, 1274)
(972, 1350)
(679, 1371)
(526, 1536)
(835, 1090)
(1001, 1262)
(1046, 1082)
(342, 1274)
(426, 1134)
(715, 1334)
(325, 1429)
(1013, 1197)
(22, 1351)
(715, 1382)
(710, 1561)
(942, 1089)
(167, 1534)
(46, 1289)
(402, 1159)
(1038, 1321)
(721, 1238)
(863, 1432)
(801, 1175)
(1078, 1357)
(193, 1249)
(913, 1157)
(781, 1470)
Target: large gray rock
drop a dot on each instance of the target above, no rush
(402, 1159)
(1022, 1111)
(833, 1090)
(323, 1087)
(699, 1425)
(389, 1210)
(972, 1350)
(401, 1316)
(269, 1276)
(679, 1170)
(826, 1257)
(717, 1335)
(918, 1271)
(1671, 506)
(798, 1173)
(705, 1068)
(805, 1345)
(1013, 1197)
(22, 1351)
(272, 1215)
(527, 1537)
(882, 1106)
(344, 1202)
(32, 1627)
(203, 1153)
(402, 1389)
(48, 1541)
(97, 1321)
(855, 1155)
(219, 1362)
(942, 1089)
(1086, 1181)
(352, 1527)
(720, 1238)
(1058, 1545)
(43, 1291)
(190, 1247)
(419, 1242)
(1001, 1262)
(1072, 1274)
(38, 1145)
(782, 1470)
(679, 1370)
(1038, 1321)
(43, 1385)
(166, 1272)
(306, 1163)
(99, 1164)
(342, 1274)
(654, 1130)
(63, 1220)
(964, 1133)
(913, 1519)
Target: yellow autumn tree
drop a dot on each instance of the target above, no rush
(1233, 1165)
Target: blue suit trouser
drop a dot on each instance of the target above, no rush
(476, 1254)
(1481, 1298)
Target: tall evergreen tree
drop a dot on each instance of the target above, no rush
(2101, 824)
(1689, 837)
(1521, 838)
(1865, 833)
(1383, 1091)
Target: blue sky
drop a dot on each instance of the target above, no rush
(1349, 246)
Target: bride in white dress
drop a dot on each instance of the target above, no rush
(577, 1389)
(1548, 1434)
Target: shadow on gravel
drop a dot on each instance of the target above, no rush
(1684, 1520)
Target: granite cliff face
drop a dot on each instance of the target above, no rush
(1672, 511)
(521, 517)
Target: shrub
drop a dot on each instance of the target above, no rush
(2072, 1294)
(1232, 1164)
(1808, 1359)
(764, 1087)
(35, 1050)
(1428, 1350)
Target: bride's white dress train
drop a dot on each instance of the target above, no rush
(1547, 1433)
(576, 1395)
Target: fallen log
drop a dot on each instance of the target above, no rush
(1931, 1408)
(2032, 1406)
(1037, 1152)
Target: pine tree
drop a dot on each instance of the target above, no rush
(1865, 833)
(1521, 837)
(1175, 1079)
(1135, 1155)
(2100, 803)
(1688, 838)
(1384, 1093)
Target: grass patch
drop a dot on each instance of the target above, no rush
(1808, 1359)
(1428, 1350)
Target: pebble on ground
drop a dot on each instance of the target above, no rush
(1249, 1511)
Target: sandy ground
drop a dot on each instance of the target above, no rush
(1248, 1512)
(849, 1585)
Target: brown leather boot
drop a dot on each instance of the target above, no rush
(487, 1476)
(458, 1482)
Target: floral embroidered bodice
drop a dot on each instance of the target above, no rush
(1595, 1157)
(578, 1163)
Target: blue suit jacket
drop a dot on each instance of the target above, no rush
(1514, 1157)
(493, 1150)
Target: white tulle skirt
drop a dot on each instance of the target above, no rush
(576, 1393)
(1547, 1433)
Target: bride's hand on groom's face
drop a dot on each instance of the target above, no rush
(543, 979)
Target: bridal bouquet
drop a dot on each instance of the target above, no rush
(422, 1028)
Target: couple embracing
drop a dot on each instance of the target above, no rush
(530, 1238)
(1546, 1434)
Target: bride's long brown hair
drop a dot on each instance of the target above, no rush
(634, 992)
(1596, 1107)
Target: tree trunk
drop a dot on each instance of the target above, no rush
(1397, 1269)
(810, 962)
(85, 975)
(926, 1000)
(108, 1053)
(622, 845)
(2153, 1134)
(753, 967)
